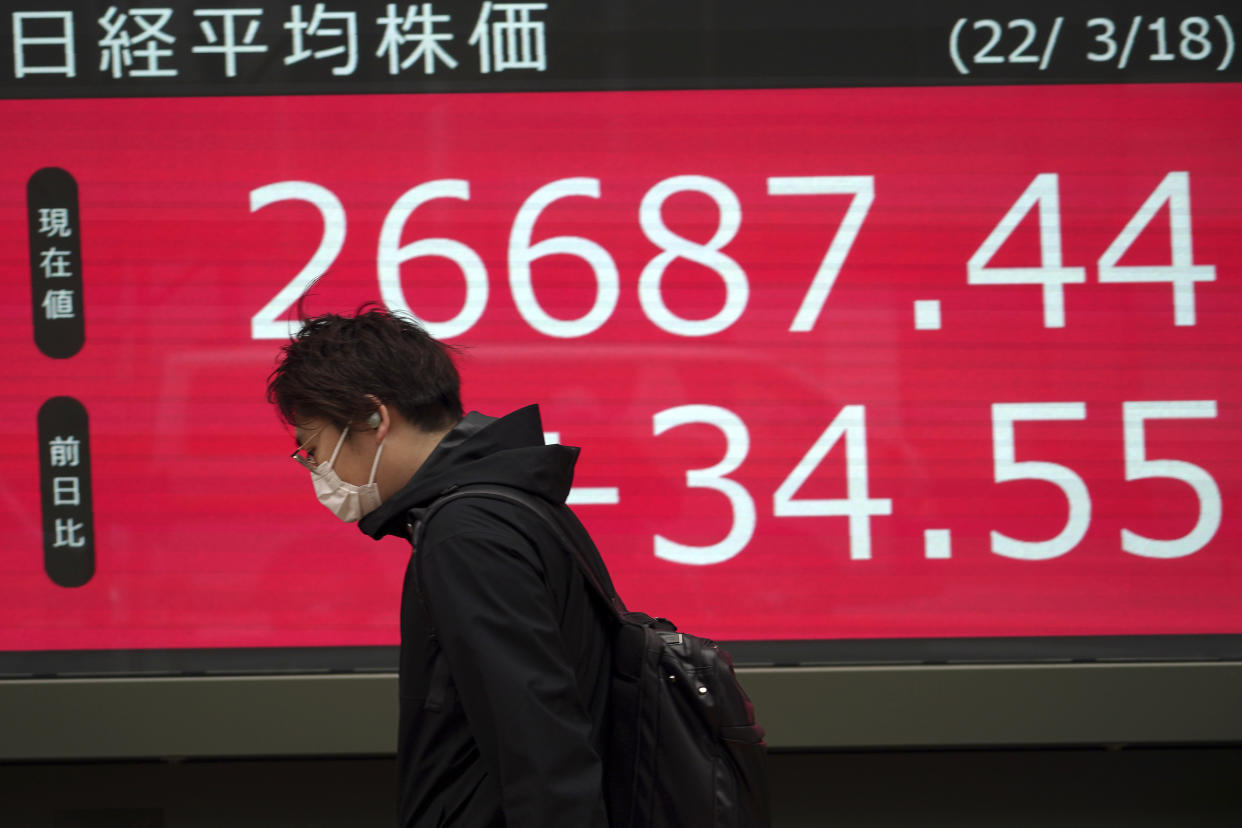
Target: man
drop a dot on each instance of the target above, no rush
(504, 650)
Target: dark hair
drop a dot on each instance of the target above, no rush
(335, 362)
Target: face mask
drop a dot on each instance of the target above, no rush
(345, 500)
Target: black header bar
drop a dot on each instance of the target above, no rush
(82, 48)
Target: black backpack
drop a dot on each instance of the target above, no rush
(684, 749)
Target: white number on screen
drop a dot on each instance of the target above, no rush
(392, 254)
(522, 253)
(1043, 191)
(857, 505)
(1182, 273)
(673, 247)
(1138, 467)
(737, 446)
(1004, 415)
(264, 324)
(1105, 38)
(862, 187)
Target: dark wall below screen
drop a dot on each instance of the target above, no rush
(1093, 788)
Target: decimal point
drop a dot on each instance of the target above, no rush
(937, 544)
(927, 315)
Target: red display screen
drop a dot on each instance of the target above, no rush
(843, 363)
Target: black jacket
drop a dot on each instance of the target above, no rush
(519, 738)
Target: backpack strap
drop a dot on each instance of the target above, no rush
(416, 525)
(572, 537)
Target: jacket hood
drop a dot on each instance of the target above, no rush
(508, 451)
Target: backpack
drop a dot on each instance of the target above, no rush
(684, 749)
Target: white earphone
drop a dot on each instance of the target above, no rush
(374, 420)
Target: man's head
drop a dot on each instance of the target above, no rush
(337, 367)
(373, 393)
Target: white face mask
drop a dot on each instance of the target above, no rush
(345, 500)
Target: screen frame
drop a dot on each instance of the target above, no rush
(1045, 690)
(955, 706)
(54, 664)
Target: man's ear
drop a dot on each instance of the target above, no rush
(380, 419)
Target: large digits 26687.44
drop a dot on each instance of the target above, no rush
(1042, 194)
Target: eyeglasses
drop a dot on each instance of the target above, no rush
(306, 460)
(303, 458)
